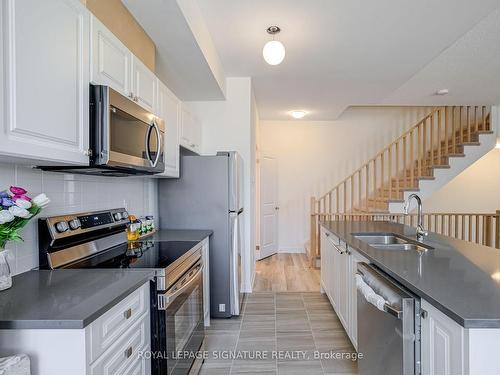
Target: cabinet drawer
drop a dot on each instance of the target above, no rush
(111, 325)
(139, 366)
(124, 351)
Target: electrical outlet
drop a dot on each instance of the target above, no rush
(222, 307)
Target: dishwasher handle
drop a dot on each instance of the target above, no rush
(375, 299)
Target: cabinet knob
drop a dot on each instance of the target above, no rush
(423, 313)
(131, 95)
(87, 152)
(128, 352)
(127, 313)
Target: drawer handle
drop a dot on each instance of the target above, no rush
(128, 352)
(127, 313)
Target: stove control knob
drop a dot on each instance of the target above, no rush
(61, 226)
(74, 224)
(118, 216)
(124, 215)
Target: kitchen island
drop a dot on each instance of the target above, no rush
(458, 283)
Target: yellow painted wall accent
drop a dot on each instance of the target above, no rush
(120, 21)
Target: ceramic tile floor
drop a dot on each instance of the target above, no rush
(273, 327)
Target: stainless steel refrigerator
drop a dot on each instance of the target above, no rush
(209, 195)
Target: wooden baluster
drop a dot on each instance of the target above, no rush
(337, 199)
(419, 148)
(439, 127)
(487, 225)
(483, 118)
(455, 221)
(424, 142)
(405, 164)
(375, 177)
(469, 238)
(477, 239)
(389, 167)
(431, 130)
(468, 124)
(476, 124)
(352, 193)
(442, 224)
(397, 169)
(449, 225)
(461, 124)
(345, 196)
(453, 132)
(359, 188)
(412, 160)
(446, 131)
(382, 162)
(330, 210)
(367, 185)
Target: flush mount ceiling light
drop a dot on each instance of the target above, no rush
(273, 51)
(442, 92)
(298, 114)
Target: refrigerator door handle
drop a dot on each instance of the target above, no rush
(234, 259)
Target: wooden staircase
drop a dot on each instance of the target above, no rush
(426, 150)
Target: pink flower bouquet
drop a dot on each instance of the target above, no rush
(16, 210)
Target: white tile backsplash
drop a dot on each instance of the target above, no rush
(71, 193)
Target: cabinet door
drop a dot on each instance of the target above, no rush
(45, 64)
(168, 110)
(143, 85)
(442, 344)
(190, 130)
(111, 60)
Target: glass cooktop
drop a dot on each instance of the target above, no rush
(146, 254)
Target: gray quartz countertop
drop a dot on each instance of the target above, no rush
(67, 298)
(459, 278)
(179, 235)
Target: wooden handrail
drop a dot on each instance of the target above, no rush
(410, 157)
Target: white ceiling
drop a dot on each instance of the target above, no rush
(344, 52)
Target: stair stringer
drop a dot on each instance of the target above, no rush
(442, 176)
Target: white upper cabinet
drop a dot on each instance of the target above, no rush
(143, 85)
(111, 60)
(190, 130)
(168, 108)
(114, 65)
(44, 58)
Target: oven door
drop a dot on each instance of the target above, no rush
(124, 134)
(184, 329)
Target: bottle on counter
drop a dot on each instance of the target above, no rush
(133, 228)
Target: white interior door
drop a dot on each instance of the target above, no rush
(269, 207)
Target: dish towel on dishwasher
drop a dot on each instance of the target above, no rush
(369, 294)
(15, 365)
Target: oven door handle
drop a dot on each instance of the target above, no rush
(164, 300)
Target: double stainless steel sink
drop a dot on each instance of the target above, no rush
(390, 241)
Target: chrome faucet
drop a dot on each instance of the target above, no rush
(421, 232)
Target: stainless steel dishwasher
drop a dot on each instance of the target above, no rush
(388, 325)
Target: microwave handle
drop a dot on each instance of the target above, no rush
(165, 299)
(154, 126)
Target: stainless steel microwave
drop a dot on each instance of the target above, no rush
(125, 139)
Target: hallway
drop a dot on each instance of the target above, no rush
(286, 272)
(280, 333)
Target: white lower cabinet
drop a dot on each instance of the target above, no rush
(338, 268)
(44, 80)
(111, 345)
(443, 343)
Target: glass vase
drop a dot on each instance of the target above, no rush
(5, 273)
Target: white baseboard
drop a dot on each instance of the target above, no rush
(291, 249)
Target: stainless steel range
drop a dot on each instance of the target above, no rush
(98, 240)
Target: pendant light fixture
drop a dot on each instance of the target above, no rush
(273, 51)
